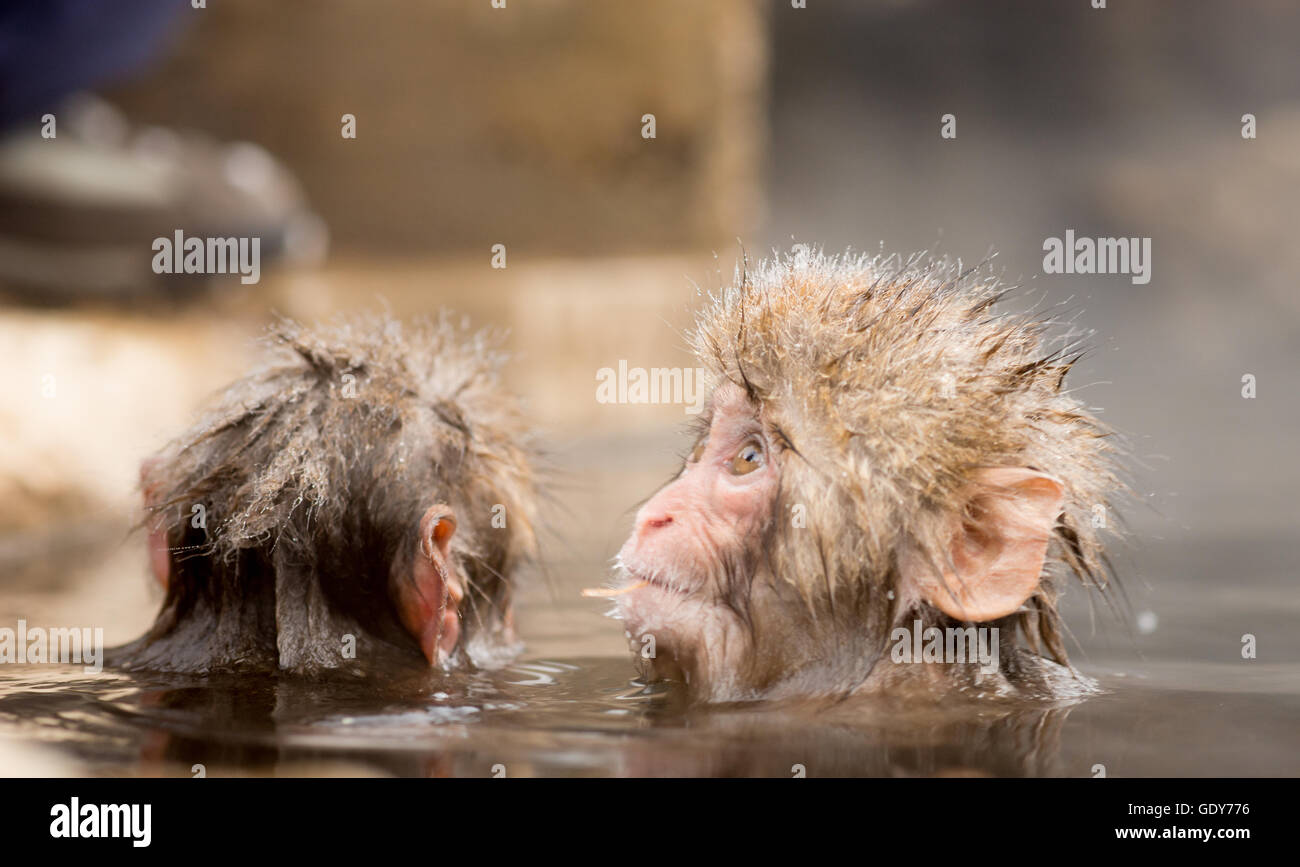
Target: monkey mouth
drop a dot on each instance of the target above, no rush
(634, 583)
(633, 579)
(628, 580)
(665, 585)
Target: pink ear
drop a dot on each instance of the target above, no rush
(428, 598)
(160, 558)
(998, 548)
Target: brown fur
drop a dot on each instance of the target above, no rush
(847, 358)
(313, 494)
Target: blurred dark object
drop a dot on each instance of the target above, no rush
(83, 194)
(52, 48)
(79, 212)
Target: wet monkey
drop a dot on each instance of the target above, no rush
(882, 454)
(362, 503)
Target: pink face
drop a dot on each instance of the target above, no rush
(703, 601)
(686, 555)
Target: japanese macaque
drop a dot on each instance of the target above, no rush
(361, 504)
(883, 463)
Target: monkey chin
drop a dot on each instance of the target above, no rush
(686, 638)
(683, 636)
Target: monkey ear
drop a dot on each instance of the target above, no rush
(160, 558)
(998, 546)
(429, 594)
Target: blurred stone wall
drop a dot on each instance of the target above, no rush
(478, 125)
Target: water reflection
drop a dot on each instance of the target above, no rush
(540, 717)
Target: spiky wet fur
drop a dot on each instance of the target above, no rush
(885, 382)
(314, 472)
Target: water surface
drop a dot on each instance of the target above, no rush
(591, 717)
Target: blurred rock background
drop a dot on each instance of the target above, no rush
(478, 126)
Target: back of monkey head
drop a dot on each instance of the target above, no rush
(313, 473)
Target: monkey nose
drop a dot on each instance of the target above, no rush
(652, 522)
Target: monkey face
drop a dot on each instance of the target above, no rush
(881, 450)
(688, 568)
(715, 590)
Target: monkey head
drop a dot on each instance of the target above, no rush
(365, 501)
(879, 449)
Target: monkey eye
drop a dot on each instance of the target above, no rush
(748, 459)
